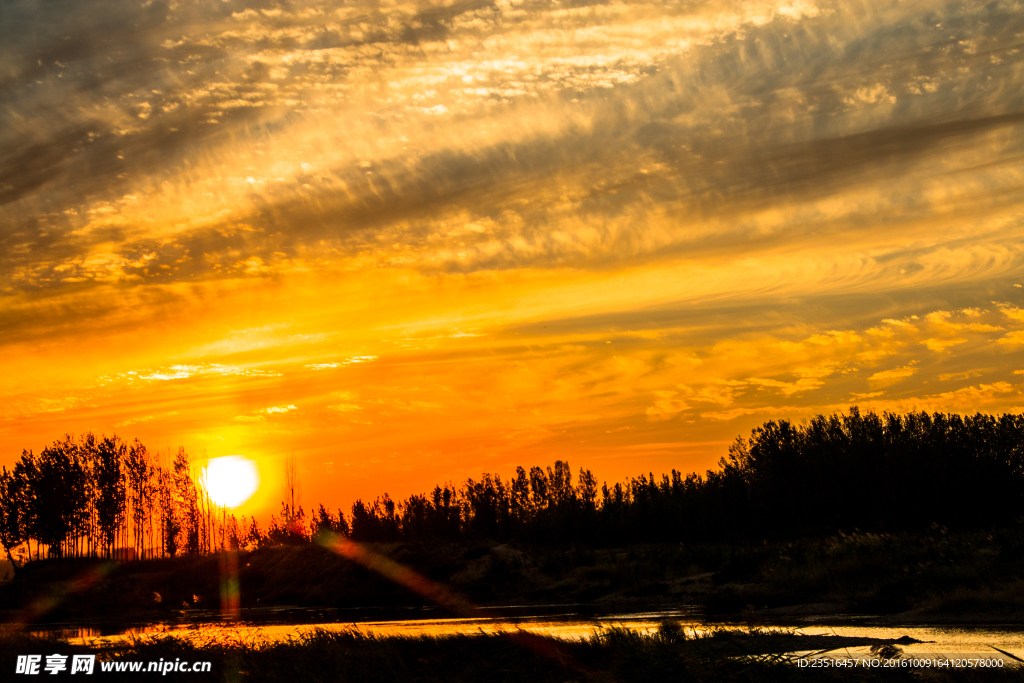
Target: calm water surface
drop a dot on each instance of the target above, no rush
(557, 621)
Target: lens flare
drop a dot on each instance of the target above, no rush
(231, 480)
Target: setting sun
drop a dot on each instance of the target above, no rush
(231, 480)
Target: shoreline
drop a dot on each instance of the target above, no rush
(669, 652)
(970, 578)
(302, 617)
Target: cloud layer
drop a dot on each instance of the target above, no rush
(469, 233)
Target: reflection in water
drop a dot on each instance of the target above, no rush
(554, 625)
(937, 641)
(953, 641)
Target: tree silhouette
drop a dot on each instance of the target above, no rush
(57, 485)
(888, 472)
(109, 485)
(13, 530)
(138, 473)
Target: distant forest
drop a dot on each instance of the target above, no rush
(101, 496)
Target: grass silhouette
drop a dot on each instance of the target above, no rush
(671, 653)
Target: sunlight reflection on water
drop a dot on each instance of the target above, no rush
(953, 641)
(555, 625)
(937, 641)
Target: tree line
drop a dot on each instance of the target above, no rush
(104, 497)
(890, 472)
(869, 472)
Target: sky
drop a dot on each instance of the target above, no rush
(411, 242)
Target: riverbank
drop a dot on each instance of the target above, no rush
(936, 577)
(672, 653)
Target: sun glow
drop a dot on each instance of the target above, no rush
(232, 479)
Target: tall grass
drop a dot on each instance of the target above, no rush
(672, 653)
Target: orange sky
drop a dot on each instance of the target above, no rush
(412, 242)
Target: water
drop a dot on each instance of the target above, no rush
(558, 621)
(278, 624)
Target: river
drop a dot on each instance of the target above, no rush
(558, 621)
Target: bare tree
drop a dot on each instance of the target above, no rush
(293, 489)
(138, 472)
